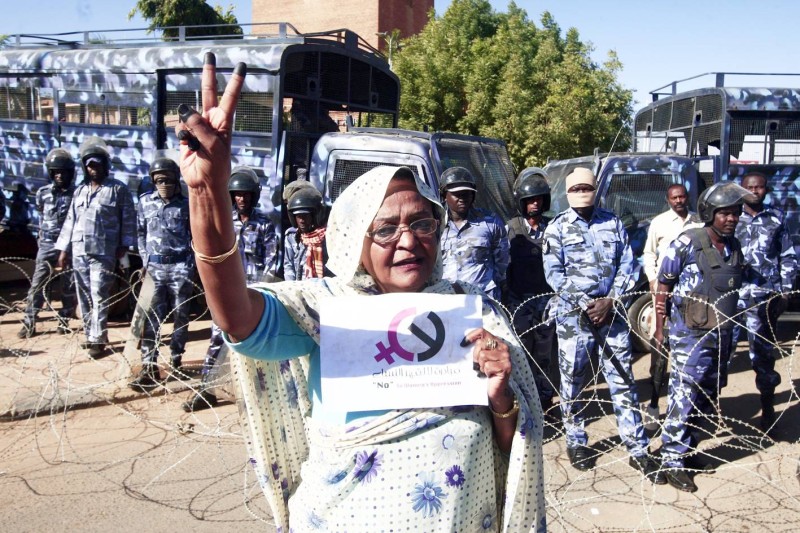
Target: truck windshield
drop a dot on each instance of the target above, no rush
(636, 198)
(488, 161)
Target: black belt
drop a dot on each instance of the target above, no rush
(168, 259)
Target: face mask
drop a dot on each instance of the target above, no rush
(166, 189)
(581, 199)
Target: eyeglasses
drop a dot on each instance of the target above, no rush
(390, 233)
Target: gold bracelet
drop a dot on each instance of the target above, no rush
(215, 259)
(511, 412)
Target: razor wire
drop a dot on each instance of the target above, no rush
(755, 479)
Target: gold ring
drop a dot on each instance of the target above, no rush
(491, 344)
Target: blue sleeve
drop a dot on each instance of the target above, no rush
(141, 232)
(673, 262)
(270, 249)
(39, 200)
(288, 259)
(276, 337)
(64, 242)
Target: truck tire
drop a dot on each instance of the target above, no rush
(640, 316)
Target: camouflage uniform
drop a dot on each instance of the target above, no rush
(476, 253)
(258, 245)
(584, 261)
(526, 284)
(97, 224)
(698, 357)
(164, 238)
(295, 256)
(53, 203)
(258, 248)
(768, 251)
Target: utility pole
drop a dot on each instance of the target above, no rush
(392, 40)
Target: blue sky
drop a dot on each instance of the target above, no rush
(657, 42)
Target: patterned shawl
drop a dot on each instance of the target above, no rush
(275, 406)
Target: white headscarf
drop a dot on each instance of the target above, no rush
(354, 211)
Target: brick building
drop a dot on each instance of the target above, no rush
(367, 18)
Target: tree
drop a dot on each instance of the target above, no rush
(165, 13)
(479, 72)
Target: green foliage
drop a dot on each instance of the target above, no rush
(479, 72)
(163, 13)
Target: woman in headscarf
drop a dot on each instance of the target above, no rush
(468, 468)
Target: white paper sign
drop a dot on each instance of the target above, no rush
(398, 351)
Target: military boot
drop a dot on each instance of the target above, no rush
(767, 410)
(175, 371)
(147, 380)
(202, 399)
(63, 325)
(95, 350)
(27, 331)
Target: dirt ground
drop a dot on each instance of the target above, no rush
(79, 451)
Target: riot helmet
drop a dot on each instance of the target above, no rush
(244, 179)
(297, 185)
(59, 162)
(530, 183)
(165, 173)
(456, 179)
(94, 149)
(306, 200)
(719, 196)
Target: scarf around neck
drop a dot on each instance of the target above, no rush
(315, 254)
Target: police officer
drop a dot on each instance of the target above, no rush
(99, 228)
(528, 291)
(474, 241)
(702, 270)
(164, 246)
(589, 264)
(768, 251)
(663, 229)
(306, 253)
(52, 202)
(258, 242)
(258, 247)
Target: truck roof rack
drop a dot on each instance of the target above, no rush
(262, 31)
(719, 81)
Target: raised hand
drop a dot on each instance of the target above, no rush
(206, 138)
